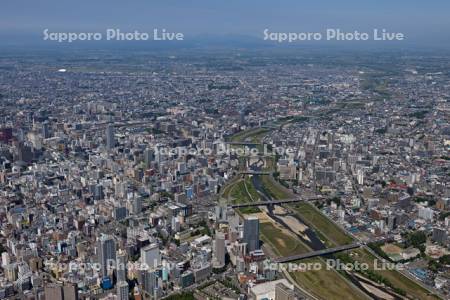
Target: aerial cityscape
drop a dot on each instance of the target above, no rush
(260, 173)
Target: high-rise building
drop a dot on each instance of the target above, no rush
(98, 192)
(121, 266)
(221, 213)
(251, 233)
(439, 235)
(137, 204)
(10, 272)
(392, 222)
(23, 276)
(5, 259)
(24, 152)
(360, 177)
(202, 272)
(242, 117)
(159, 153)
(70, 292)
(149, 156)
(426, 213)
(45, 130)
(6, 135)
(61, 292)
(106, 247)
(122, 290)
(151, 256)
(121, 189)
(53, 292)
(110, 141)
(186, 279)
(148, 281)
(219, 250)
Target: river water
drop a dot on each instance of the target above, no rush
(314, 242)
(311, 240)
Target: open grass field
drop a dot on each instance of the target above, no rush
(239, 194)
(251, 190)
(282, 243)
(273, 189)
(182, 296)
(242, 191)
(397, 279)
(333, 235)
(326, 284)
(252, 135)
(226, 193)
(391, 249)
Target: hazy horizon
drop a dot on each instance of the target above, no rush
(22, 22)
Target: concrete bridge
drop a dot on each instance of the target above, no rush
(317, 253)
(274, 202)
(242, 144)
(253, 173)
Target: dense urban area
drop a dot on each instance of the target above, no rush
(270, 174)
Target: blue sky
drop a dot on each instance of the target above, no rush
(422, 21)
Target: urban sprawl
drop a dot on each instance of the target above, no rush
(224, 175)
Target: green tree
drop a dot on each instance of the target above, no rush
(417, 238)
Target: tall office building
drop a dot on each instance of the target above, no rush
(6, 134)
(23, 276)
(151, 256)
(242, 117)
(53, 292)
(149, 156)
(45, 130)
(136, 205)
(10, 271)
(110, 141)
(219, 250)
(122, 290)
(148, 281)
(61, 292)
(70, 292)
(106, 247)
(251, 233)
(159, 153)
(439, 235)
(121, 189)
(5, 259)
(121, 266)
